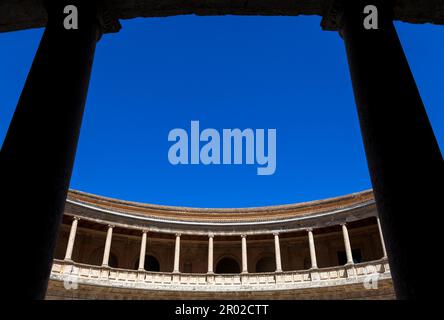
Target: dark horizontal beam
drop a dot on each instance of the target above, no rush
(26, 14)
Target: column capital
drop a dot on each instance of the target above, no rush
(343, 224)
(332, 18)
(76, 218)
(111, 226)
(276, 233)
(211, 235)
(243, 236)
(109, 23)
(309, 229)
(106, 19)
(145, 231)
(177, 234)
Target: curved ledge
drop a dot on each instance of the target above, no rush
(170, 219)
(270, 212)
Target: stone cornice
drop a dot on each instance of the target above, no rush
(200, 221)
(220, 214)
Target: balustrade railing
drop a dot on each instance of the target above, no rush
(99, 275)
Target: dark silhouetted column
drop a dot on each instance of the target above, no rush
(38, 152)
(404, 160)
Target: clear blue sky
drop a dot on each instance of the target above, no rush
(226, 72)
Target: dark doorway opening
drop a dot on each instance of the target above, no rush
(342, 257)
(151, 264)
(266, 264)
(227, 265)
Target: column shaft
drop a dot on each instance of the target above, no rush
(177, 254)
(381, 236)
(403, 156)
(142, 251)
(40, 145)
(71, 239)
(311, 243)
(106, 251)
(277, 251)
(210, 254)
(348, 250)
(244, 254)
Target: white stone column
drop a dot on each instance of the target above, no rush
(384, 251)
(311, 243)
(277, 251)
(244, 254)
(177, 254)
(348, 250)
(142, 251)
(210, 253)
(107, 250)
(72, 238)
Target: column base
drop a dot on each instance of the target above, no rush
(350, 270)
(314, 275)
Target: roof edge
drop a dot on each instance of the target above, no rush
(104, 201)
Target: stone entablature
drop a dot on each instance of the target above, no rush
(25, 14)
(197, 221)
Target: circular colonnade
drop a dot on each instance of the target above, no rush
(109, 248)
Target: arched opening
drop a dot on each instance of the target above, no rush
(151, 263)
(227, 265)
(266, 264)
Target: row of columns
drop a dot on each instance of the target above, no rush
(311, 242)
